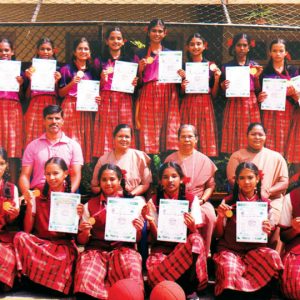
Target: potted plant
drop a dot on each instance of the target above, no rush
(261, 15)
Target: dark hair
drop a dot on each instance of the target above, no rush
(75, 45)
(236, 39)
(9, 42)
(120, 176)
(254, 124)
(122, 126)
(183, 126)
(45, 40)
(153, 23)
(52, 109)
(62, 164)
(6, 190)
(197, 36)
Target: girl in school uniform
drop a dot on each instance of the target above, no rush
(240, 111)
(243, 269)
(9, 210)
(38, 100)
(184, 263)
(277, 123)
(46, 257)
(197, 109)
(157, 108)
(115, 107)
(104, 262)
(78, 125)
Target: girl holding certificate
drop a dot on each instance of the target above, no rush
(184, 263)
(104, 262)
(240, 111)
(38, 100)
(9, 210)
(115, 107)
(197, 108)
(46, 257)
(157, 109)
(243, 267)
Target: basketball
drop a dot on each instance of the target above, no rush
(167, 290)
(125, 289)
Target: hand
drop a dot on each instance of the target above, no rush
(20, 80)
(184, 84)
(225, 85)
(28, 197)
(85, 227)
(181, 73)
(57, 76)
(146, 213)
(135, 81)
(290, 90)
(296, 224)
(259, 70)
(266, 226)
(265, 193)
(76, 79)
(189, 221)
(222, 208)
(262, 96)
(142, 64)
(138, 223)
(98, 100)
(12, 212)
(217, 73)
(29, 72)
(80, 210)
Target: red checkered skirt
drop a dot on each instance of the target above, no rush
(197, 109)
(293, 145)
(159, 117)
(78, 125)
(116, 108)
(277, 124)
(11, 127)
(162, 267)
(33, 119)
(97, 270)
(8, 268)
(239, 113)
(290, 280)
(47, 263)
(249, 272)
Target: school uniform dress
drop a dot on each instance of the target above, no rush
(8, 269)
(46, 257)
(116, 108)
(198, 110)
(158, 110)
(238, 114)
(293, 144)
(168, 261)
(104, 262)
(290, 279)
(245, 267)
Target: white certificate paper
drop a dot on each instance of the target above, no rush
(63, 213)
(87, 91)
(249, 219)
(276, 91)
(171, 227)
(120, 212)
(296, 83)
(169, 64)
(124, 74)
(43, 76)
(197, 74)
(9, 70)
(239, 78)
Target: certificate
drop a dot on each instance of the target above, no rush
(171, 227)
(276, 91)
(120, 212)
(295, 81)
(169, 64)
(239, 78)
(63, 213)
(249, 219)
(9, 70)
(43, 75)
(197, 75)
(87, 91)
(124, 74)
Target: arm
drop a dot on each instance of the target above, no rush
(24, 180)
(29, 216)
(140, 189)
(95, 182)
(209, 188)
(148, 216)
(75, 175)
(219, 227)
(230, 169)
(215, 88)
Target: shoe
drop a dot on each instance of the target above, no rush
(193, 296)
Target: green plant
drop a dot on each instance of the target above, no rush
(261, 15)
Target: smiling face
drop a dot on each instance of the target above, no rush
(115, 41)
(82, 51)
(55, 176)
(278, 52)
(109, 182)
(187, 139)
(122, 139)
(6, 53)
(256, 138)
(195, 47)
(53, 123)
(45, 51)
(247, 182)
(157, 34)
(241, 48)
(170, 181)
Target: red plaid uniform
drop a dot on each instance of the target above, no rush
(33, 119)
(78, 125)
(197, 109)
(162, 267)
(11, 127)
(96, 270)
(159, 117)
(116, 108)
(8, 268)
(46, 262)
(239, 113)
(248, 272)
(293, 145)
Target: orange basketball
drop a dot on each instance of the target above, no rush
(125, 289)
(167, 290)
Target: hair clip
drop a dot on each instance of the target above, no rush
(145, 29)
(288, 56)
(261, 174)
(124, 172)
(55, 50)
(230, 42)
(186, 180)
(252, 43)
(205, 44)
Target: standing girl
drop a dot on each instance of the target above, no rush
(197, 109)
(11, 118)
(115, 107)
(104, 262)
(157, 109)
(46, 257)
(78, 125)
(183, 262)
(33, 120)
(9, 210)
(240, 111)
(243, 267)
(277, 123)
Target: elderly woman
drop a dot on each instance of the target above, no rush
(134, 162)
